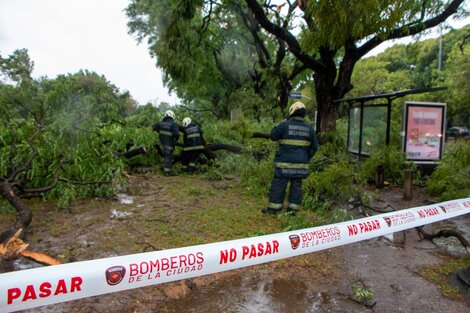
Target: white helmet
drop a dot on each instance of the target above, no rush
(186, 121)
(170, 113)
(296, 106)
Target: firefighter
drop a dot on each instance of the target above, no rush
(168, 135)
(193, 144)
(297, 144)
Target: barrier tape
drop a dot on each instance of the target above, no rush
(60, 283)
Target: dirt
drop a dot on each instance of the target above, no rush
(388, 268)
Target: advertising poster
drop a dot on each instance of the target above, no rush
(424, 129)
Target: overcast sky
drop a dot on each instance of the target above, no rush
(64, 36)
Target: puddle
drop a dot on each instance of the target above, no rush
(119, 214)
(247, 294)
(125, 199)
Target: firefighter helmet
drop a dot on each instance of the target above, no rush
(170, 113)
(296, 106)
(186, 121)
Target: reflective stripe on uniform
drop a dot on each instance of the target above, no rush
(194, 135)
(291, 165)
(167, 147)
(193, 148)
(164, 132)
(295, 142)
(294, 206)
(276, 206)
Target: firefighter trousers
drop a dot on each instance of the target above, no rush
(277, 192)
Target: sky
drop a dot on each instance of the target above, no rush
(64, 36)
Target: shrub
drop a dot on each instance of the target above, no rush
(393, 161)
(338, 182)
(451, 178)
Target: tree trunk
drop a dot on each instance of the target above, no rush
(331, 85)
(24, 217)
(327, 110)
(131, 153)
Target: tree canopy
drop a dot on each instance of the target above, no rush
(323, 37)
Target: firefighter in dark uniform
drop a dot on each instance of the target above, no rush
(297, 144)
(168, 135)
(193, 144)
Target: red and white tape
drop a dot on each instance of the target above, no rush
(54, 284)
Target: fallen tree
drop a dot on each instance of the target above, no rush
(15, 186)
(444, 233)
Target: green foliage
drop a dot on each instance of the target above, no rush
(144, 116)
(325, 210)
(339, 21)
(256, 175)
(361, 293)
(337, 181)
(451, 178)
(457, 76)
(17, 67)
(415, 66)
(5, 207)
(53, 132)
(393, 161)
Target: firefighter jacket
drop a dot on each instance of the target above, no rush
(297, 144)
(192, 138)
(168, 132)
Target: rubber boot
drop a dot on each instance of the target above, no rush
(269, 211)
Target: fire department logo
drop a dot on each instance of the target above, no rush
(443, 209)
(294, 241)
(388, 220)
(115, 274)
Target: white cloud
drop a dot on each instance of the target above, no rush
(64, 36)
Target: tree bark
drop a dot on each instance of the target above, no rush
(131, 153)
(24, 216)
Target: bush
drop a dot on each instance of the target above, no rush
(393, 161)
(451, 178)
(337, 182)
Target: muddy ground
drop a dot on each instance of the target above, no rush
(387, 269)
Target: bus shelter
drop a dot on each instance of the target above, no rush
(370, 118)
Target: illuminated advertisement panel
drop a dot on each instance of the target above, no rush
(424, 131)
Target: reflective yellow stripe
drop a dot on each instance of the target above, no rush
(194, 135)
(164, 132)
(291, 165)
(295, 142)
(193, 148)
(294, 206)
(275, 205)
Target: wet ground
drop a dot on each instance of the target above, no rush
(386, 269)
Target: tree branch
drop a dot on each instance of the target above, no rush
(28, 162)
(286, 36)
(408, 30)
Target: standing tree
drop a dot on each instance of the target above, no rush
(337, 34)
(330, 37)
(219, 54)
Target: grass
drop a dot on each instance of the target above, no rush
(439, 275)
